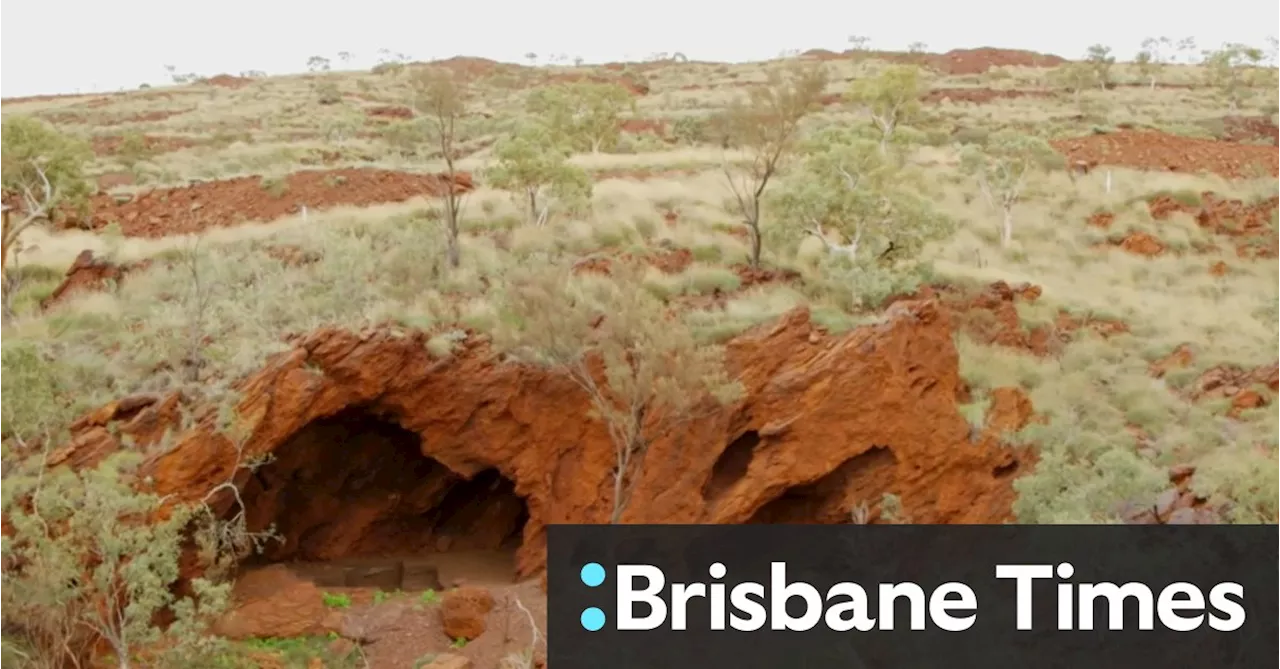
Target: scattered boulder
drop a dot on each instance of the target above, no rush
(463, 612)
(272, 602)
(1180, 358)
(89, 273)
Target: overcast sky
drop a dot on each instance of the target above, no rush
(64, 46)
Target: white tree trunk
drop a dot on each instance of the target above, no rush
(1006, 228)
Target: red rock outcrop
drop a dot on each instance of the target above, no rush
(89, 273)
(377, 442)
(990, 315)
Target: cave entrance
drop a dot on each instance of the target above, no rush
(830, 499)
(356, 504)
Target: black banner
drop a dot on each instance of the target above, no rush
(912, 596)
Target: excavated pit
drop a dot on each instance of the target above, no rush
(355, 503)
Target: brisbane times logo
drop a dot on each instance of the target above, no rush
(638, 597)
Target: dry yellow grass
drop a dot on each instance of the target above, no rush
(107, 344)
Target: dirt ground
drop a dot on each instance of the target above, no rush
(394, 629)
(1150, 150)
(176, 211)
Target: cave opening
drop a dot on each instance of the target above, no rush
(830, 499)
(731, 466)
(354, 502)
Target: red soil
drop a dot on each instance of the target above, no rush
(978, 61)
(1142, 244)
(227, 81)
(668, 261)
(1245, 388)
(1151, 150)
(1251, 128)
(114, 180)
(468, 66)
(189, 209)
(387, 112)
(636, 126)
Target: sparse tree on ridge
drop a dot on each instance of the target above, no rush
(533, 162)
(318, 64)
(643, 371)
(1003, 167)
(1231, 71)
(892, 97)
(845, 186)
(766, 125)
(585, 113)
(442, 98)
(1188, 49)
(859, 42)
(1152, 58)
(1073, 77)
(1100, 60)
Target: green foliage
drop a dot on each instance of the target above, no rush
(655, 373)
(1002, 167)
(31, 146)
(409, 138)
(1006, 159)
(1099, 60)
(342, 126)
(533, 161)
(892, 97)
(1082, 474)
(1074, 77)
(290, 653)
(690, 129)
(443, 98)
(89, 558)
(584, 113)
(133, 149)
(766, 119)
(42, 401)
(336, 600)
(1231, 70)
(1153, 57)
(327, 93)
(848, 186)
(765, 124)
